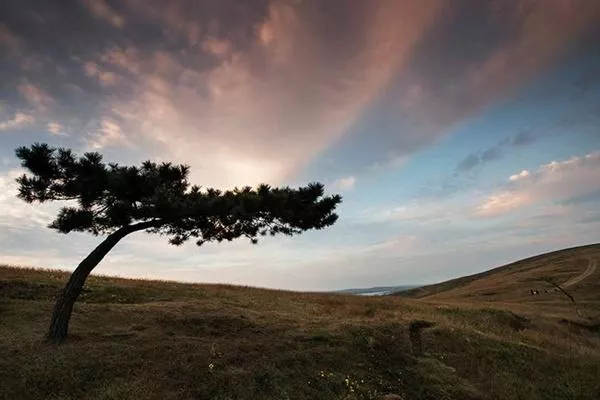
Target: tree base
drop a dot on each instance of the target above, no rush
(59, 325)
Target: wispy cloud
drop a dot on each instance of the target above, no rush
(108, 133)
(553, 182)
(521, 175)
(263, 91)
(263, 124)
(100, 9)
(521, 44)
(55, 128)
(18, 120)
(257, 90)
(502, 202)
(469, 162)
(106, 78)
(35, 95)
(186, 19)
(480, 158)
(127, 58)
(15, 212)
(346, 183)
(8, 38)
(422, 212)
(216, 46)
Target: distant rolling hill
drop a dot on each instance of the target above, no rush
(574, 269)
(377, 290)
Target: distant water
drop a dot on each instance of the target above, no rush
(377, 291)
(374, 293)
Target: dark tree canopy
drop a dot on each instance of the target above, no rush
(116, 200)
(103, 198)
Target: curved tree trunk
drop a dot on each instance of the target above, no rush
(63, 308)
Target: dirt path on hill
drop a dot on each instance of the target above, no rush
(591, 268)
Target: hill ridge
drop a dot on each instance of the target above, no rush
(564, 265)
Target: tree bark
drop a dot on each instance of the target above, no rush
(63, 308)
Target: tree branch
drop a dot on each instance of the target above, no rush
(556, 285)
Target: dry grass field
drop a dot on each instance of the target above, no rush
(480, 337)
(577, 270)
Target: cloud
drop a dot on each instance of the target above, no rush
(521, 175)
(216, 46)
(186, 19)
(536, 45)
(470, 162)
(106, 78)
(55, 128)
(346, 183)
(420, 212)
(280, 30)
(398, 244)
(550, 188)
(254, 91)
(264, 111)
(20, 119)
(126, 58)
(491, 154)
(258, 92)
(101, 10)
(35, 95)
(480, 158)
(16, 213)
(474, 57)
(522, 139)
(557, 181)
(8, 38)
(108, 134)
(502, 202)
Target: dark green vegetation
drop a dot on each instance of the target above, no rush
(135, 339)
(115, 200)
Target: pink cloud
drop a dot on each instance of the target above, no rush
(106, 78)
(553, 182)
(35, 95)
(216, 46)
(55, 128)
(266, 110)
(274, 101)
(101, 10)
(502, 202)
(538, 42)
(109, 133)
(8, 38)
(534, 46)
(280, 31)
(20, 119)
(126, 58)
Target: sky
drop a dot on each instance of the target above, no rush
(461, 134)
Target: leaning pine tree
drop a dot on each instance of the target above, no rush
(114, 201)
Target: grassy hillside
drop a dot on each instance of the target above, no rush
(575, 269)
(134, 339)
